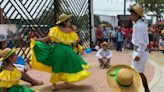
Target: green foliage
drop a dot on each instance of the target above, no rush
(97, 21)
(106, 22)
(155, 6)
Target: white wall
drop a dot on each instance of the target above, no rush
(110, 7)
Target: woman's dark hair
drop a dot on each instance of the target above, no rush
(132, 11)
(0, 45)
(5, 62)
(62, 24)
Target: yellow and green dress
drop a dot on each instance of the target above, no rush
(78, 48)
(59, 59)
(10, 80)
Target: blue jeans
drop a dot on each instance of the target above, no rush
(105, 39)
(119, 45)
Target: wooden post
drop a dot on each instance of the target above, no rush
(1, 16)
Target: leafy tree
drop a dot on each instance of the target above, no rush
(155, 6)
(106, 22)
(97, 21)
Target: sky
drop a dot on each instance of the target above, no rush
(110, 7)
(113, 7)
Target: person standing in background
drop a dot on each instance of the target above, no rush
(114, 39)
(105, 34)
(119, 38)
(99, 34)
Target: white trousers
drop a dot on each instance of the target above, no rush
(139, 66)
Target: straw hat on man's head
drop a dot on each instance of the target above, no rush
(122, 78)
(137, 9)
(4, 54)
(63, 18)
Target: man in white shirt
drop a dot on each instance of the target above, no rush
(104, 55)
(140, 41)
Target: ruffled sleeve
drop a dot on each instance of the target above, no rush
(79, 48)
(58, 36)
(9, 78)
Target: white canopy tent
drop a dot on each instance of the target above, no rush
(7, 29)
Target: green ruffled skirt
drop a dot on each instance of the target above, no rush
(60, 60)
(60, 57)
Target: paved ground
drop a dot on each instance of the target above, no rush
(157, 83)
(96, 82)
(158, 58)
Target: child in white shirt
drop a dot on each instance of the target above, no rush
(104, 55)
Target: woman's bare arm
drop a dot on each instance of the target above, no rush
(44, 39)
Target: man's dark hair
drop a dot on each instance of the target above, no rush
(132, 11)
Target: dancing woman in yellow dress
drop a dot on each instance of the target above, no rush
(59, 59)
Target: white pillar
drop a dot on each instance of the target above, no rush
(93, 34)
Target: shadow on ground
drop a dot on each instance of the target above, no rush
(68, 88)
